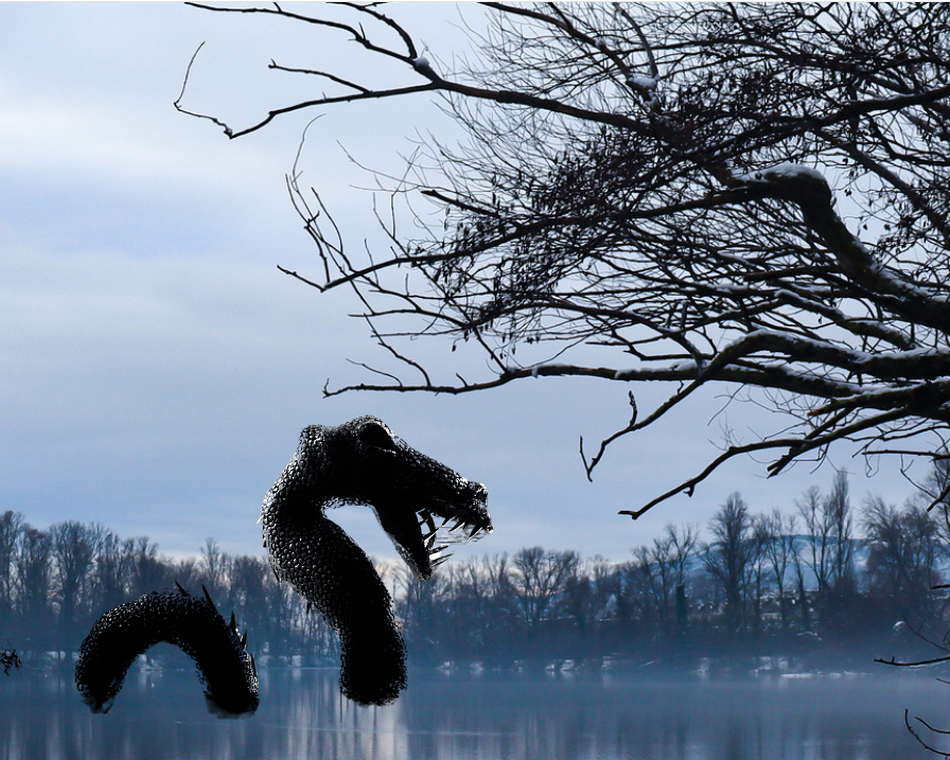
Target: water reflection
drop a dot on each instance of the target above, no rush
(162, 715)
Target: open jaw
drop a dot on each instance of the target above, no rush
(422, 533)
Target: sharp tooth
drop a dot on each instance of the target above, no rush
(244, 641)
(440, 560)
(457, 525)
(444, 521)
(437, 549)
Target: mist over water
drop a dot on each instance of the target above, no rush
(492, 716)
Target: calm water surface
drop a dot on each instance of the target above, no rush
(485, 717)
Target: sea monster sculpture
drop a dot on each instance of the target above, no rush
(193, 624)
(363, 462)
(360, 462)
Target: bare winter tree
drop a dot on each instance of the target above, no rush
(731, 557)
(539, 579)
(750, 195)
(74, 547)
(903, 560)
(780, 548)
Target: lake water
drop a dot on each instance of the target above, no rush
(489, 716)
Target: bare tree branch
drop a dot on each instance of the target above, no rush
(748, 195)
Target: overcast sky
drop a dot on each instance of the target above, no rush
(155, 366)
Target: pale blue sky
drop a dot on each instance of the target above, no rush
(156, 368)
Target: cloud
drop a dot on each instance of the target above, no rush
(140, 149)
(157, 368)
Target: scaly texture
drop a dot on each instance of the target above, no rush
(191, 623)
(362, 462)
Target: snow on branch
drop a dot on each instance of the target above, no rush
(777, 228)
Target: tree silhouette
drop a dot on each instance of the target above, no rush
(741, 194)
(730, 557)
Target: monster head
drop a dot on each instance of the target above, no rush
(421, 504)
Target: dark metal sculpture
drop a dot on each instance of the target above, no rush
(193, 624)
(360, 462)
(363, 462)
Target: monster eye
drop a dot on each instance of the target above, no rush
(378, 436)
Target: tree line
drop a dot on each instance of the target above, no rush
(822, 579)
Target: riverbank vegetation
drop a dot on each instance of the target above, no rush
(823, 582)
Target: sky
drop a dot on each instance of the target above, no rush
(155, 366)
